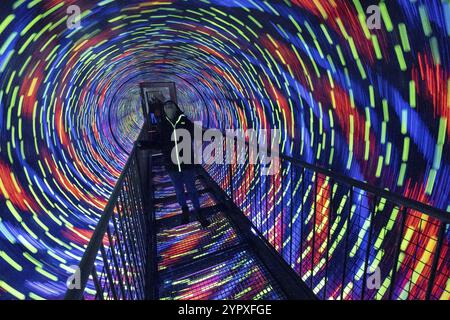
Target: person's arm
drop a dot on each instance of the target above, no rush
(165, 141)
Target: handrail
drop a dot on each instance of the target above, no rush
(87, 263)
(387, 194)
(332, 229)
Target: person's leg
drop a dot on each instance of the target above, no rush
(189, 181)
(177, 179)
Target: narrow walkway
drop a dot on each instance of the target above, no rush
(198, 263)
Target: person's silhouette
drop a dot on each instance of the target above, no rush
(182, 174)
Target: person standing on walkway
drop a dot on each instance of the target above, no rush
(182, 174)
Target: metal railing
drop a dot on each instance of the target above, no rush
(114, 265)
(344, 238)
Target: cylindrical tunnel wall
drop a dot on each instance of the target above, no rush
(372, 104)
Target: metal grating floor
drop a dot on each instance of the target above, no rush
(196, 263)
(171, 208)
(190, 242)
(235, 277)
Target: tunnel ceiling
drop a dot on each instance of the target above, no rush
(372, 104)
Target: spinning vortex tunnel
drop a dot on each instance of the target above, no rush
(373, 105)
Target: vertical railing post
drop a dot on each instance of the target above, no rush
(347, 237)
(122, 255)
(230, 172)
(258, 193)
(116, 265)
(313, 250)
(282, 209)
(369, 240)
(291, 166)
(267, 215)
(150, 220)
(301, 222)
(397, 252)
(330, 216)
(137, 189)
(246, 183)
(136, 233)
(108, 271)
(129, 247)
(272, 208)
(253, 195)
(434, 266)
(98, 287)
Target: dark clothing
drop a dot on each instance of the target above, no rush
(153, 119)
(182, 174)
(156, 107)
(167, 129)
(185, 178)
